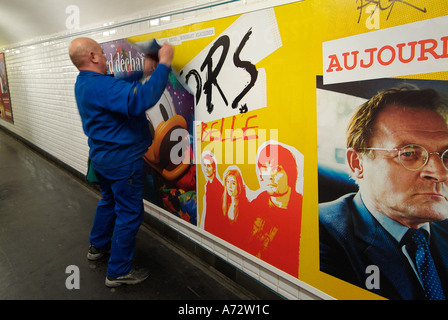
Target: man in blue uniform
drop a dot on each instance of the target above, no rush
(113, 118)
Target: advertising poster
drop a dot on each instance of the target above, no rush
(377, 179)
(271, 93)
(5, 102)
(248, 151)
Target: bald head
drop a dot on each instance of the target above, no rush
(87, 54)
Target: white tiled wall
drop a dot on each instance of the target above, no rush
(41, 81)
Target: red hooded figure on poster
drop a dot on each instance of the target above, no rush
(277, 210)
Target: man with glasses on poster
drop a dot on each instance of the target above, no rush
(391, 236)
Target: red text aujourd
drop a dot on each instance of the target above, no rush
(420, 50)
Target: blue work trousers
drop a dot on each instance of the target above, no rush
(119, 215)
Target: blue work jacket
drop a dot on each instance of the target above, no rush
(113, 115)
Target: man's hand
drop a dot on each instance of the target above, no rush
(149, 65)
(166, 54)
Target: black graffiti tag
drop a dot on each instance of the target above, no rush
(213, 70)
(249, 67)
(212, 74)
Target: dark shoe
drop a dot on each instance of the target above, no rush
(95, 253)
(133, 277)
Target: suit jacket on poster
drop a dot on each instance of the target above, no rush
(351, 239)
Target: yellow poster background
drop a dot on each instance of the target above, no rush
(291, 96)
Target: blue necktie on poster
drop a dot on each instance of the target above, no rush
(424, 264)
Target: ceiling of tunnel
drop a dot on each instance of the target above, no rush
(27, 20)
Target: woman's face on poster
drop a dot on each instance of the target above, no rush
(231, 186)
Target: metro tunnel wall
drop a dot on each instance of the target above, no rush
(41, 79)
(248, 77)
